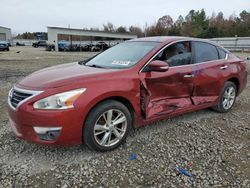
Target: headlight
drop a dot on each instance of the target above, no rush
(59, 101)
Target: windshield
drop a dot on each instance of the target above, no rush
(123, 55)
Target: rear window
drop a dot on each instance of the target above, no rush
(205, 52)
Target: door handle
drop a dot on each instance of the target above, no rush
(188, 76)
(223, 67)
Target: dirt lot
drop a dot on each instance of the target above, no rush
(213, 147)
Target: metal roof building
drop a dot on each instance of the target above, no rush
(53, 33)
(5, 34)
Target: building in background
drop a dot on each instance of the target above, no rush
(5, 34)
(55, 34)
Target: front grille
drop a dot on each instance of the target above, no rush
(18, 96)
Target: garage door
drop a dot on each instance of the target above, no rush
(2, 36)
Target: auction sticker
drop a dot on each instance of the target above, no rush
(124, 63)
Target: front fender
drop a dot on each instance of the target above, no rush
(96, 93)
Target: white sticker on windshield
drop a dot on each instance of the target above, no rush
(124, 63)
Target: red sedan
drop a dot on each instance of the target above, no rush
(99, 100)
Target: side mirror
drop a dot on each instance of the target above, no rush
(158, 66)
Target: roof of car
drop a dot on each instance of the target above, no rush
(3, 42)
(161, 39)
(169, 39)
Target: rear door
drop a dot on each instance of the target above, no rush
(170, 91)
(211, 69)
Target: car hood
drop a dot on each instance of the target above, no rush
(62, 75)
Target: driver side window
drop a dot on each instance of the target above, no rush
(176, 54)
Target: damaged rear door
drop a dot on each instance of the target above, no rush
(212, 71)
(169, 91)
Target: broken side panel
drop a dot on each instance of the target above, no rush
(165, 92)
(144, 99)
(208, 82)
(166, 106)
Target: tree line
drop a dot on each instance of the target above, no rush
(194, 24)
(32, 35)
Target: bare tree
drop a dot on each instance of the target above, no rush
(121, 29)
(109, 27)
(165, 22)
(136, 30)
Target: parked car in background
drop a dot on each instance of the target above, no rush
(4, 46)
(50, 47)
(97, 101)
(86, 48)
(63, 45)
(41, 43)
(67, 47)
(95, 48)
(9, 44)
(20, 44)
(100, 46)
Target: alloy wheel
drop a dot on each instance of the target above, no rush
(228, 97)
(110, 127)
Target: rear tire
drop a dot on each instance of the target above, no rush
(107, 126)
(227, 98)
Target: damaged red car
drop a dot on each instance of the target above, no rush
(99, 100)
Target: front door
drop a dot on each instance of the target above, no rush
(170, 91)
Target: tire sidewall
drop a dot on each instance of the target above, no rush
(88, 130)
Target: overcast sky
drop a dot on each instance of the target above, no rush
(36, 15)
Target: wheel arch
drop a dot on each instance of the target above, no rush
(236, 81)
(120, 99)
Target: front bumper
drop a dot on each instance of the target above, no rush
(25, 118)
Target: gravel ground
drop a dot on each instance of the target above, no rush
(214, 148)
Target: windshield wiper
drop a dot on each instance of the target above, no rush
(96, 66)
(82, 62)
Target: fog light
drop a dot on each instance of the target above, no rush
(48, 133)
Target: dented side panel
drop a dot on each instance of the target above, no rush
(165, 92)
(209, 81)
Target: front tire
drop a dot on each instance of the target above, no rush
(107, 126)
(227, 97)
